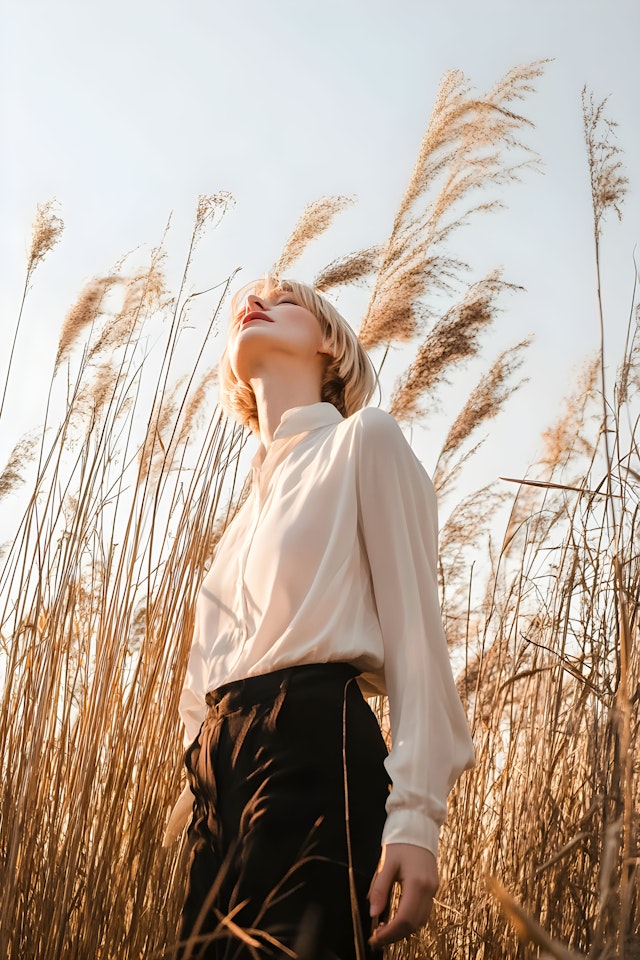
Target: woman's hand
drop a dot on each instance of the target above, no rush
(414, 868)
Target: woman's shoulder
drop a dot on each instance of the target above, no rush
(381, 443)
(376, 426)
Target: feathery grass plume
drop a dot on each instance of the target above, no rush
(315, 219)
(21, 455)
(352, 268)
(444, 482)
(608, 183)
(398, 308)
(462, 152)
(161, 424)
(210, 207)
(92, 397)
(460, 543)
(46, 232)
(193, 407)
(566, 439)
(453, 339)
(84, 313)
(484, 403)
(566, 444)
(143, 294)
(629, 373)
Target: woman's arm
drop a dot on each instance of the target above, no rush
(431, 743)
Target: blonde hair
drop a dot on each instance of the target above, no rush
(349, 379)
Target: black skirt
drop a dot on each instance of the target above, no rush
(280, 864)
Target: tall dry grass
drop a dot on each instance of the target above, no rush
(543, 837)
(555, 725)
(127, 493)
(97, 592)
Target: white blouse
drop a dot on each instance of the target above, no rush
(333, 556)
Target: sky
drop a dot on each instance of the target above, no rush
(126, 112)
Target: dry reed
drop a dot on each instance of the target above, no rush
(463, 151)
(45, 234)
(484, 403)
(84, 314)
(454, 339)
(351, 269)
(315, 219)
(22, 454)
(46, 231)
(628, 382)
(608, 182)
(88, 673)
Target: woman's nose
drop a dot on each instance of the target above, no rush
(254, 303)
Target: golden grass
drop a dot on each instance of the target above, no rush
(485, 402)
(464, 149)
(46, 231)
(315, 219)
(45, 234)
(453, 339)
(124, 504)
(351, 269)
(83, 314)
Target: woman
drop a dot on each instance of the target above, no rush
(322, 589)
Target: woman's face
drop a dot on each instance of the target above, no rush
(274, 325)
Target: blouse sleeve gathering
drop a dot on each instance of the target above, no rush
(431, 742)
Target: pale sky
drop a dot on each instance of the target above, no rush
(126, 111)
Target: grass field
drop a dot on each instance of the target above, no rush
(124, 494)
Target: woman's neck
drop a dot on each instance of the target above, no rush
(274, 395)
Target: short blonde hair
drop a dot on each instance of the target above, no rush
(349, 379)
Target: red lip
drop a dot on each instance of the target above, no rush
(255, 315)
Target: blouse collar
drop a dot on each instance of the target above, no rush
(310, 416)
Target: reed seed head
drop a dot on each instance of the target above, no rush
(22, 454)
(46, 232)
(352, 268)
(315, 219)
(84, 314)
(211, 207)
(608, 182)
(453, 339)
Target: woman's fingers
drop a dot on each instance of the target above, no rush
(412, 913)
(415, 869)
(381, 886)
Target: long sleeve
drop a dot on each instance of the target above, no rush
(431, 742)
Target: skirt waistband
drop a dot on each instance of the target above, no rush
(267, 686)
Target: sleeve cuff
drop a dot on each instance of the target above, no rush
(411, 826)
